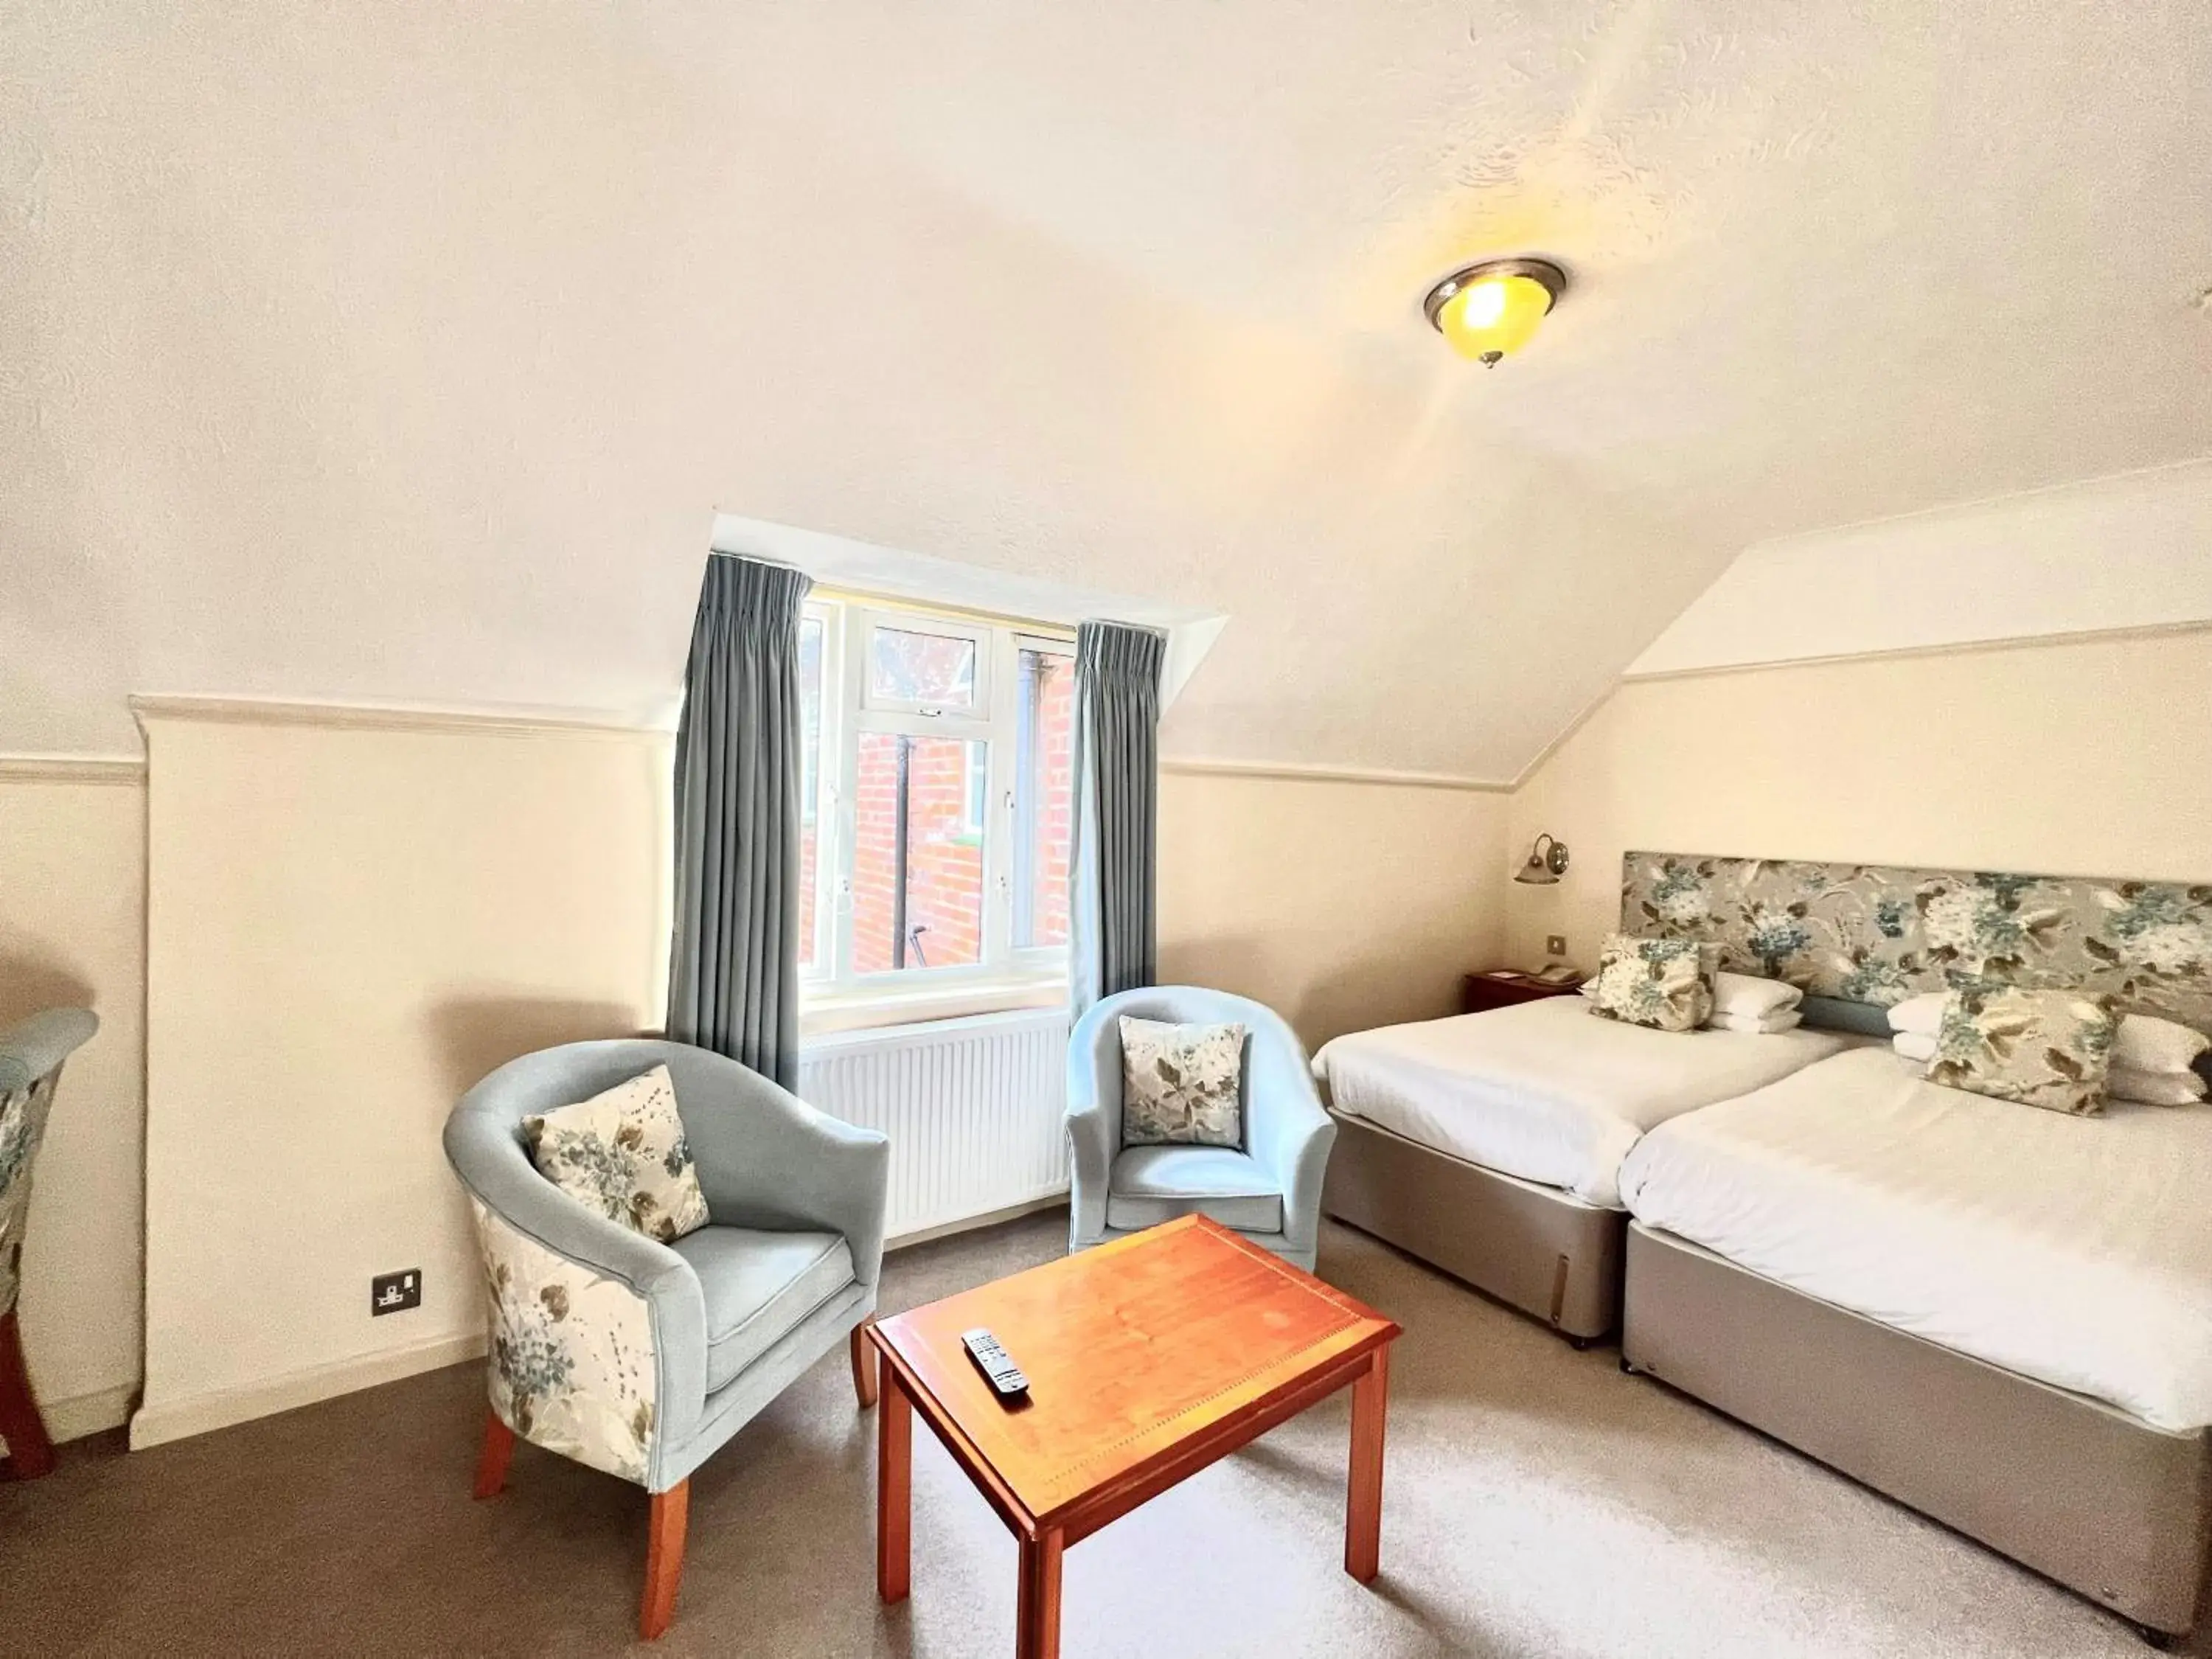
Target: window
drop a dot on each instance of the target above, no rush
(926, 671)
(1044, 794)
(936, 804)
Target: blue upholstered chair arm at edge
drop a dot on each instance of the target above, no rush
(31, 1055)
(1291, 1136)
(1094, 1115)
(33, 1047)
(1285, 1130)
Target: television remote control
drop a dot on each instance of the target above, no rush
(998, 1368)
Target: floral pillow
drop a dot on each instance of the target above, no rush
(2048, 1048)
(623, 1154)
(1181, 1084)
(1666, 984)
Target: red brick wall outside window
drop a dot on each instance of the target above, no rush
(1026, 751)
(945, 859)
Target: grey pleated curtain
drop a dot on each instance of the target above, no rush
(733, 967)
(1115, 941)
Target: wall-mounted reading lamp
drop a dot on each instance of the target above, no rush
(1548, 862)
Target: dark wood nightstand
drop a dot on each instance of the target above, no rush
(1480, 991)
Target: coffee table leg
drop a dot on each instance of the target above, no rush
(894, 1489)
(1037, 1635)
(1362, 1521)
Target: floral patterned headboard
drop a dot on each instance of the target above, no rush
(1862, 933)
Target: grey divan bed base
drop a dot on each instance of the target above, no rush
(1536, 1247)
(2078, 1490)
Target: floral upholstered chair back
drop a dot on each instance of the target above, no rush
(31, 1056)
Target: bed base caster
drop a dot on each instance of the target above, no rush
(1580, 1344)
(2165, 1641)
(1626, 1369)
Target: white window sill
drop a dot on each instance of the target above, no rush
(819, 1016)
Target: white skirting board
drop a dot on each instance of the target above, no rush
(161, 1421)
(975, 1109)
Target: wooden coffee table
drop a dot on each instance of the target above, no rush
(1148, 1358)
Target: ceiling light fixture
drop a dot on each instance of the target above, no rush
(1491, 310)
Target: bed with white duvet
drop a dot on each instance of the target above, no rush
(2074, 1250)
(1546, 1091)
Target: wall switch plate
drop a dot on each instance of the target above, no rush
(395, 1293)
(1555, 945)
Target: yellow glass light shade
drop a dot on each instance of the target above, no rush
(1493, 317)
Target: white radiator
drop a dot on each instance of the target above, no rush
(972, 1108)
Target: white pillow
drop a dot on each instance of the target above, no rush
(1922, 1015)
(2155, 1088)
(1914, 1045)
(1766, 1025)
(2147, 1044)
(1752, 997)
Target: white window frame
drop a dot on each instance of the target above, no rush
(974, 813)
(867, 620)
(1033, 958)
(830, 993)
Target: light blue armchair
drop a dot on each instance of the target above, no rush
(31, 1056)
(1270, 1191)
(639, 1358)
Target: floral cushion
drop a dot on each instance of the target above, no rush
(1666, 984)
(623, 1154)
(1181, 1084)
(2048, 1048)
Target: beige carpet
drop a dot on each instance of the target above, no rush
(1536, 1503)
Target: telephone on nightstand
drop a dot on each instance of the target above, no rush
(1559, 973)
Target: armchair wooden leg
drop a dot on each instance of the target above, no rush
(864, 1364)
(30, 1453)
(664, 1559)
(491, 1462)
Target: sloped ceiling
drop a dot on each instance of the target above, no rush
(405, 353)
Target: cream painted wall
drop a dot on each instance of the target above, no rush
(2086, 757)
(1340, 905)
(348, 926)
(72, 932)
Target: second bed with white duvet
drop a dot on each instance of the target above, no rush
(2074, 1250)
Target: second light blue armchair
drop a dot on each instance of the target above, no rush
(1269, 1190)
(643, 1358)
